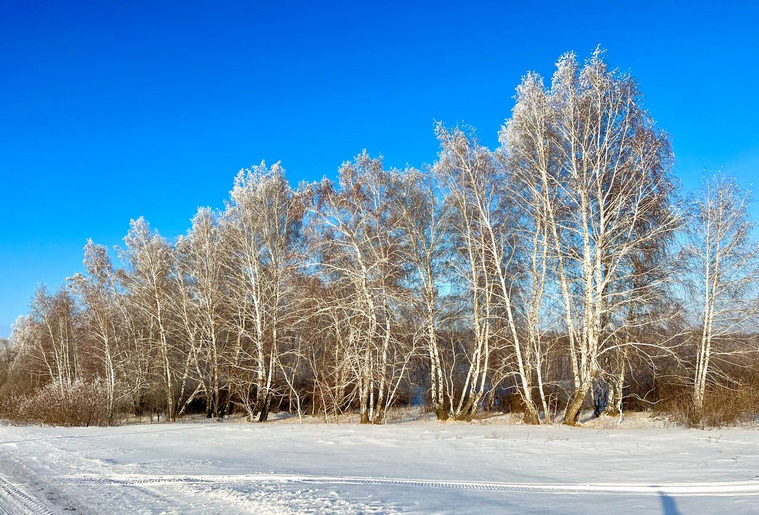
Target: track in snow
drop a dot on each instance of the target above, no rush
(732, 488)
(13, 500)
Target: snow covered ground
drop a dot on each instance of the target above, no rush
(411, 467)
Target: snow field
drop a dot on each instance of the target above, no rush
(412, 467)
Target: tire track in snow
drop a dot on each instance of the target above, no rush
(732, 488)
(13, 500)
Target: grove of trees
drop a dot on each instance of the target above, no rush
(562, 269)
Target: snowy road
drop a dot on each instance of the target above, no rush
(423, 467)
(15, 500)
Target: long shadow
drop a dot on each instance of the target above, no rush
(668, 505)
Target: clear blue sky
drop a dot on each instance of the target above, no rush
(113, 110)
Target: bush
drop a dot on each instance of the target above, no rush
(722, 407)
(77, 404)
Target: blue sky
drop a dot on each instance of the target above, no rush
(114, 110)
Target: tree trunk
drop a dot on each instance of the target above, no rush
(574, 405)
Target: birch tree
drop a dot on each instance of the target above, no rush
(360, 255)
(722, 262)
(485, 231)
(424, 223)
(51, 334)
(202, 267)
(533, 243)
(151, 259)
(604, 171)
(261, 226)
(102, 317)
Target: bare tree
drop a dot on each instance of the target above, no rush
(722, 264)
(261, 227)
(202, 266)
(603, 169)
(425, 225)
(148, 280)
(484, 216)
(102, 317)
(360, 256)
(49, 333)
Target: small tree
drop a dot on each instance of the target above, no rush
(722, 264)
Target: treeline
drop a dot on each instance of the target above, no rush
(562, 268)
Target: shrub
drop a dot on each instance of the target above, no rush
(77, 404)
(722, 406)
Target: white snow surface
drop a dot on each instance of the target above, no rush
(420, 466)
